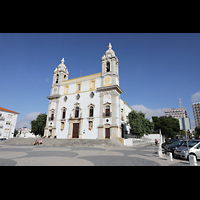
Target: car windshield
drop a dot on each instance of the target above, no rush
(177, 142)
(191, 143)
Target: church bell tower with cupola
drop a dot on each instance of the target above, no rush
(110, 121)
(110, 70)
(60, 74)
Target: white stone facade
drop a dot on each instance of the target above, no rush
(88, 107)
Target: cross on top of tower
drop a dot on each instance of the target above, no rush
(62, 61)
(110, 46)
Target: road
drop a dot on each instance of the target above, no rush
(19, 155)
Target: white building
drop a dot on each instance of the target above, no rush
(8, 119)
(25, 133)
(87, 107)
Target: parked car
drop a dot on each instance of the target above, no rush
(167, 143)
(173, 146)
(194, 149)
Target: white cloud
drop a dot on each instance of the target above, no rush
(27, 120)
(195, 97)
(148, 111)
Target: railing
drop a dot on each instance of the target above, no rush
(104, 115)
(133, 140)
(51, 118)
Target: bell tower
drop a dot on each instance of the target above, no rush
(109, 120)
(60, 74)
(110, 70)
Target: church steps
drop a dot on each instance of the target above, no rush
(65, 142)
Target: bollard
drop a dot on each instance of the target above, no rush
(193, 160)
(160, 152)
(169, 156)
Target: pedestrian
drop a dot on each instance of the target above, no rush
(156, 141)
(36, 142)
(40, 142)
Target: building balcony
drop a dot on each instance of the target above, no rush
(2, 118)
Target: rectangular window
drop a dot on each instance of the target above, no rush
(66, 89)
(7, 123)
(7, 130)
(107, 111)
(62, 125)
(79, 87)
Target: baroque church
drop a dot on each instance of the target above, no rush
(88, 107)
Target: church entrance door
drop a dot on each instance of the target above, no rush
(75, 130)
(107, 133)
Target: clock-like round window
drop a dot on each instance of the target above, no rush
(78, 96)
(65, 98)
(92, 94)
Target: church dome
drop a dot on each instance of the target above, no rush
(62, 66)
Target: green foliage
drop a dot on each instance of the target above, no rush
(169, 126)
(38, 125)
(139, 125)
(197, 132)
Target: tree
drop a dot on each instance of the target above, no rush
(139, 125)
(15, 132)
(169, 126)
(38, 125)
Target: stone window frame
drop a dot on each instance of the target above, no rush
(74, 109)
(91, 105)
(104, 109)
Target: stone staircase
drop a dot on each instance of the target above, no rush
(65, 142)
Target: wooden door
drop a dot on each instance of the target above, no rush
(75, 130)
(107, 133)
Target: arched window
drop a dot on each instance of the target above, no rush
(107, 111)
(108, 67)
(57, 78)
(64, 113)
(77, 112)
(52, 116)
(91, 111)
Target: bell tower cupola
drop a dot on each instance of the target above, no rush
(109, 63)
(61, 73)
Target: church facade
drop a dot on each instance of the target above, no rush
(87, 107)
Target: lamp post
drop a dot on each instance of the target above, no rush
(160, 148)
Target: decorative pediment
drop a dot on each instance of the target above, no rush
(107, 103)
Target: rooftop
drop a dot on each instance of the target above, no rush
(6, 110)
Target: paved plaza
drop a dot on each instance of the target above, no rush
(30, 155)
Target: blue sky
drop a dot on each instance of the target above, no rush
(156, 69)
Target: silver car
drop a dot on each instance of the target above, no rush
(194, 149)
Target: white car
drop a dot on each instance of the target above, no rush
(194, 149)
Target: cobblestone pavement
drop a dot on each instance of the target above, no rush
(12, 155)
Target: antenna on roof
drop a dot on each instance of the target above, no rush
(180, 102)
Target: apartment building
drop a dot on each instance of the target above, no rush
(8, 119)
(196, 111)
(176, 113)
